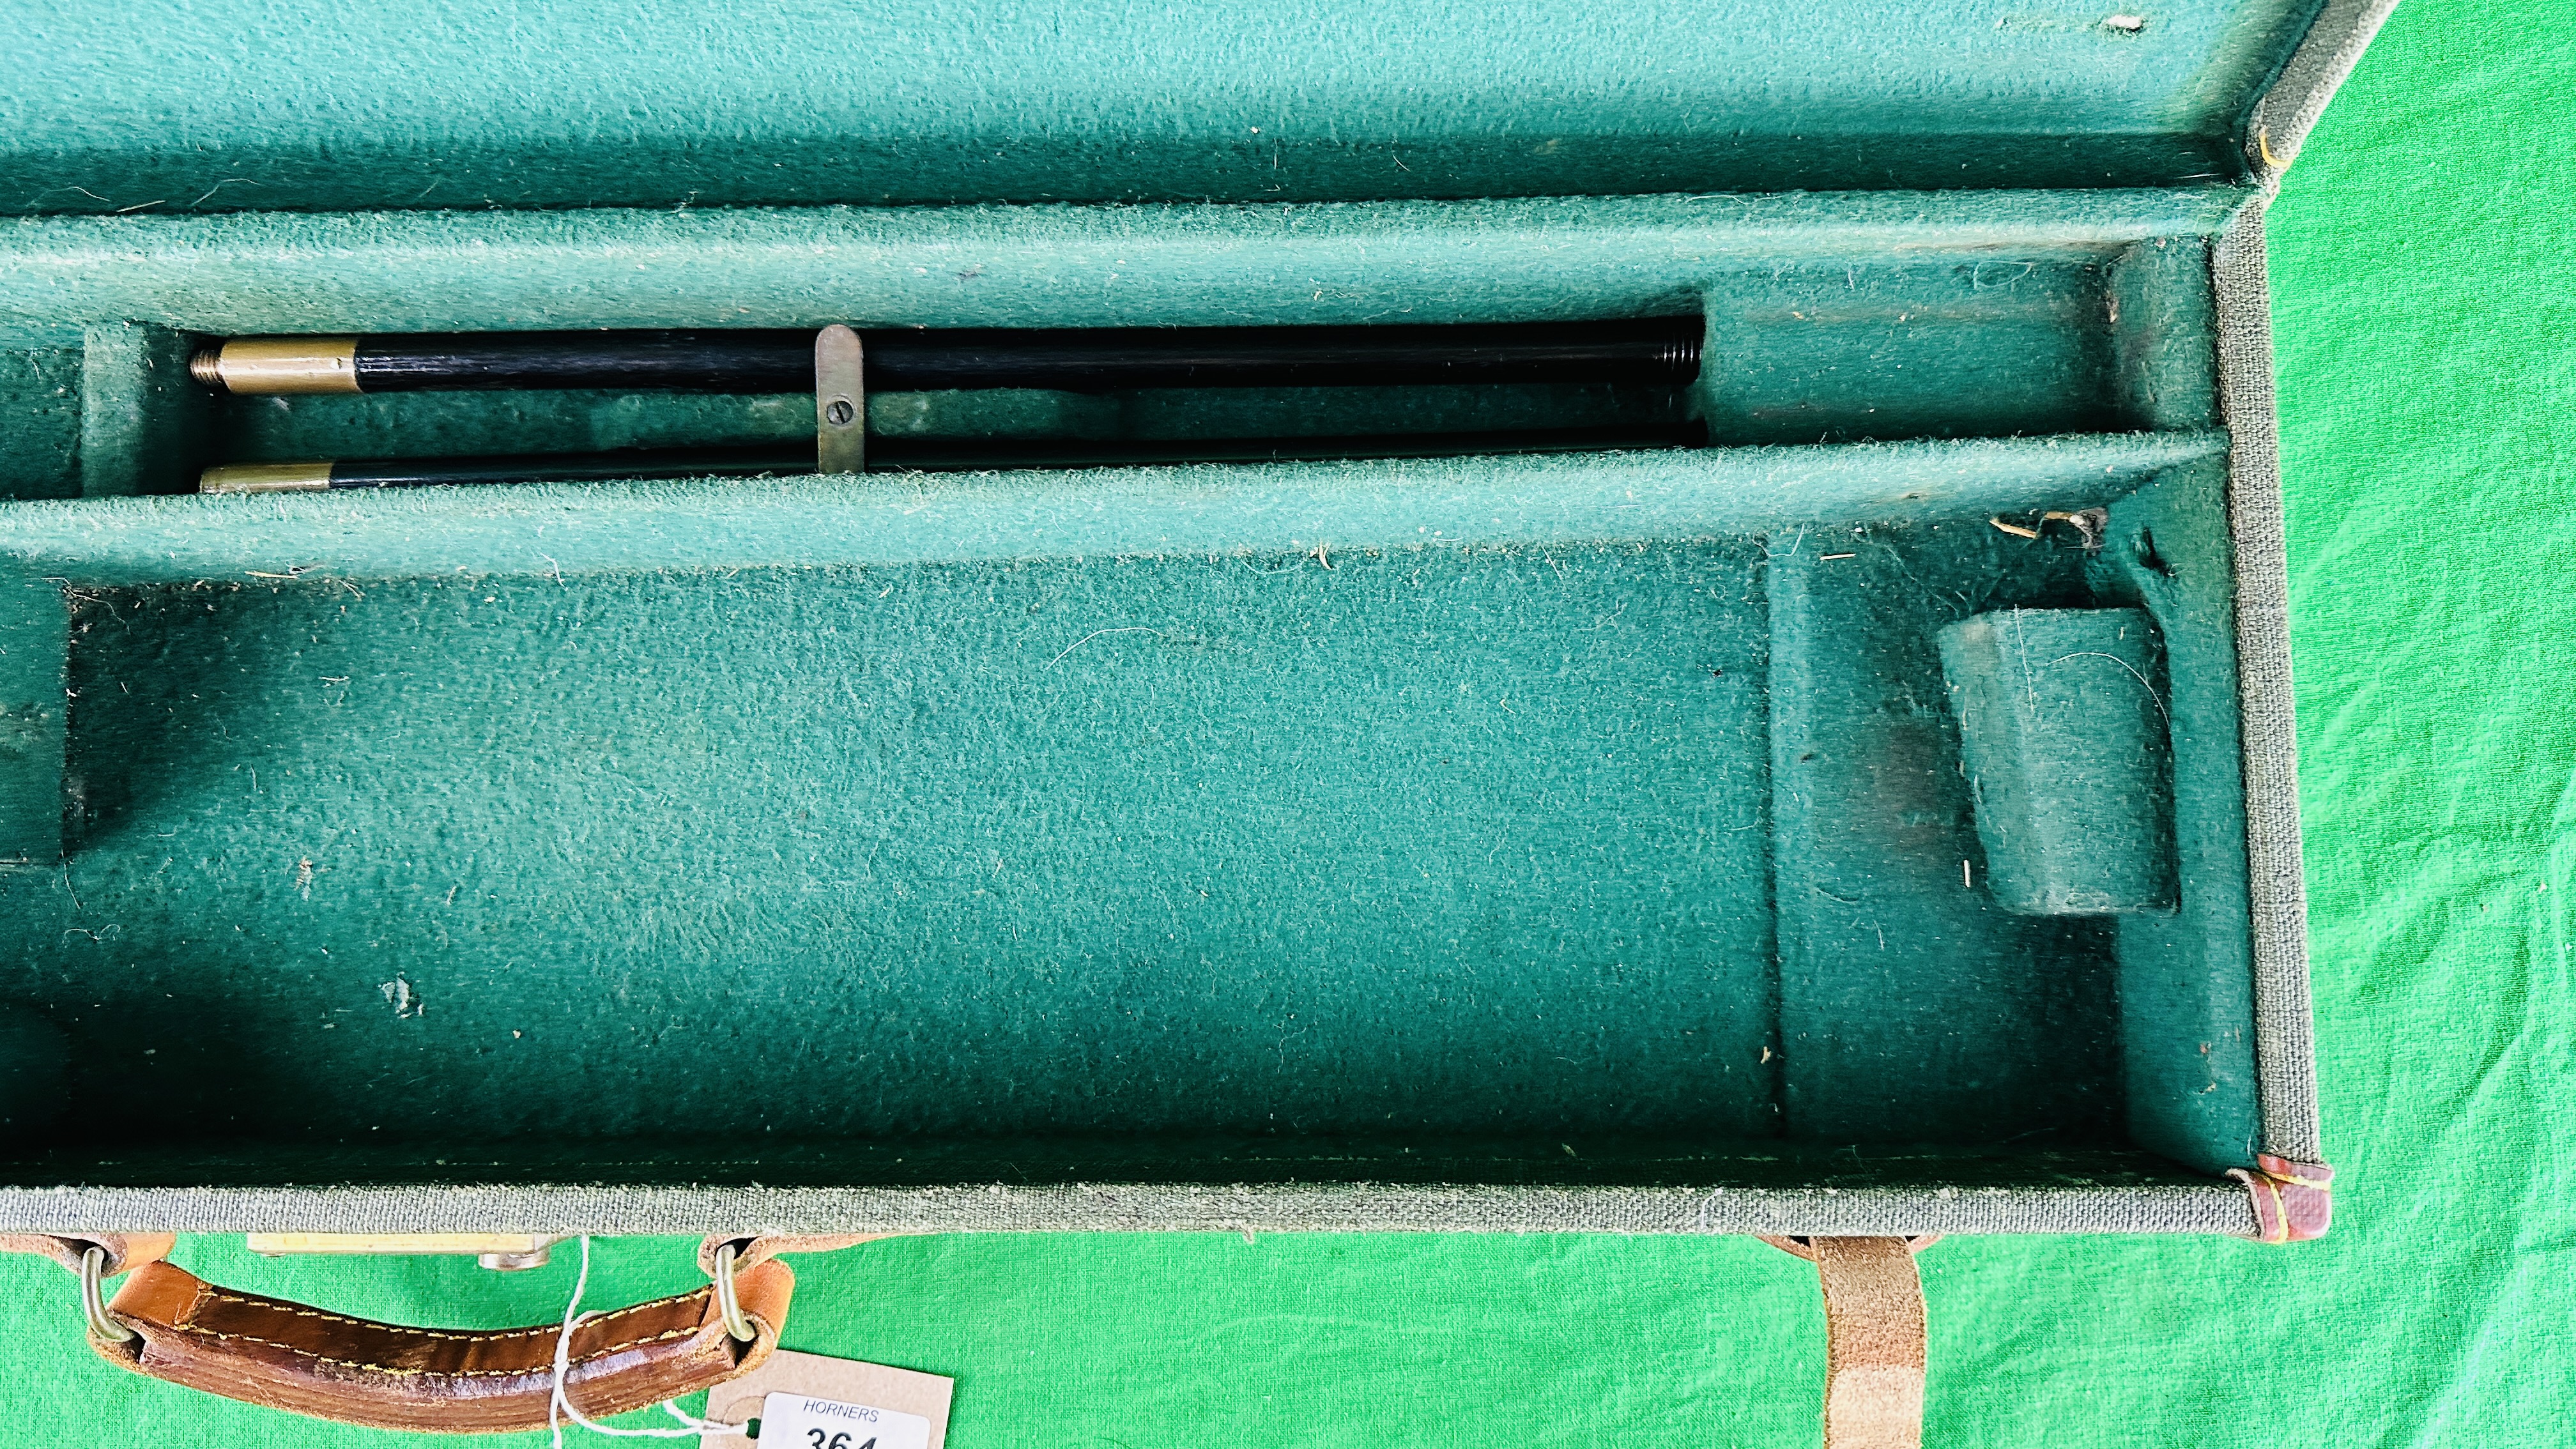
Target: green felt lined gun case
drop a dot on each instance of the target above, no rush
(1874, 822)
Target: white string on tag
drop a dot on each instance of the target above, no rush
(559, 1406)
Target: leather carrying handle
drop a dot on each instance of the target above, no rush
(386, 1376)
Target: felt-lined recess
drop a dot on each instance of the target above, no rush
(1847, 318)
(946, 849)
(947, 823)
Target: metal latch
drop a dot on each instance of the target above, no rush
(840, 402)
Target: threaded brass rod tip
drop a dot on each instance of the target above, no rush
(266, 366)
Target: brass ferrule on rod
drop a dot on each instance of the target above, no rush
(272, 365)
(265, 478)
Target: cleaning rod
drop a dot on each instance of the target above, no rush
(1656, 350)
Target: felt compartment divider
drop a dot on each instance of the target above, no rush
(1516, 501)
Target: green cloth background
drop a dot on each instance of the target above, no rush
(2424, 275)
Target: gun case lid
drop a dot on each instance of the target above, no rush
(173, 108)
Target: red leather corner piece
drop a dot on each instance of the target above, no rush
(2293, 1201)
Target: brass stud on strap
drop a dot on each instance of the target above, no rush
(736, 1322)
(102, 1324)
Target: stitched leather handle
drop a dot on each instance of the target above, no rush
(287, 1356)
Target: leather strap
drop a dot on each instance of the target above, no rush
(750, 1248)
(124, 1250)
(287, 1356)
(2293, 1201)
(1874, 1343)
(1875, 1338)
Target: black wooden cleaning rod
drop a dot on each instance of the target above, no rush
(1657, 350)
(913, 455)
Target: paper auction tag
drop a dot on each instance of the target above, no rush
(807, 1401)
(798, 1421)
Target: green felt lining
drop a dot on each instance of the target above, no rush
(1911, 1003)
(1852, 319)
(34, 643)
(1045, 266)
(2071, 775)
(1000, 829)
(2186, 980)
(478, 103)
(1206, 509)
(1114, 817)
